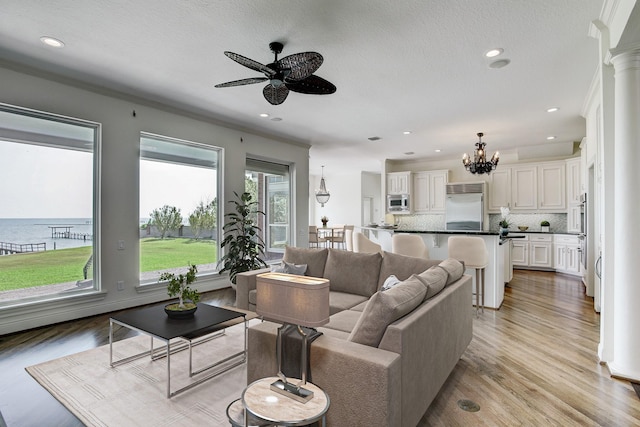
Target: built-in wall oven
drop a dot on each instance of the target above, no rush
(583, 231)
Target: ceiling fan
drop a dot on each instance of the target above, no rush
(293, 72)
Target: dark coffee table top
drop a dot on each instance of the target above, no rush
(154, 320)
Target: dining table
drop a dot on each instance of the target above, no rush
(330, 233)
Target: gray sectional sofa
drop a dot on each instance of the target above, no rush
(384, 355)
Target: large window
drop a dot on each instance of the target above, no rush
(178, 206)
(269, 183)
(47, 193)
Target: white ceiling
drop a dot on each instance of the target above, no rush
(401, 65)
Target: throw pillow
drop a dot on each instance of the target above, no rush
(454, 269)
(434, 279)
(390, 282)
(384, 308)
(289, 268)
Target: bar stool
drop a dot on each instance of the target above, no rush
(473, 252)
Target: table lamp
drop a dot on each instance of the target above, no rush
(298, 301)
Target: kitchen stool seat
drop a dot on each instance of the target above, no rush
(473, 252)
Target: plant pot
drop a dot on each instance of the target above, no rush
(504, 231)
(545, 228)
(179, 314)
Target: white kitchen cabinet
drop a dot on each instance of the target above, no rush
(429, 191)
(508, 264)
(529, 188)
(500, 189)
(524, 188)
(551, 187)
(535, 250)
(573, 219)
(574, 180)
(566, 254)
(399, 183)
(540, 254)
(520, 252)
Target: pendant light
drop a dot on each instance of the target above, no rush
(479, 163)
(322, 194)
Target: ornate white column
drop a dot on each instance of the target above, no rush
(626, 295)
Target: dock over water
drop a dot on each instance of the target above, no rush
(64, 232)
(17, 248)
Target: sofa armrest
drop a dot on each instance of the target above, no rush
(363, 383)
(245, 282)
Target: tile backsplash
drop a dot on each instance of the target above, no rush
(436, 222)
(558, 222)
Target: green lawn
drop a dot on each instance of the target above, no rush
(65, 265)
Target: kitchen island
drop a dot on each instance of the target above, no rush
(437, 243)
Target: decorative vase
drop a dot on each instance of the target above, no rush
(179, 314)
(504, 231)
(324, 223)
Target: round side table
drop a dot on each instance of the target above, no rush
(235, 413)
(259, 400)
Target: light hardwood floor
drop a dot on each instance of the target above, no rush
(533, 362)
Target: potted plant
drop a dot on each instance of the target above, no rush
(178, 285)
(504, 223)
(544, 225)
(244, 248)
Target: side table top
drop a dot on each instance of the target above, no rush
(268, 405)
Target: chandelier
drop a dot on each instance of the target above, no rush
(479, 163)
(322, 194)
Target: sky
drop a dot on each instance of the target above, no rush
(43, 182)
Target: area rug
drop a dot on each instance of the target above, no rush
(134, 394)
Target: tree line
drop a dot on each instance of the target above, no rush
(203, 218)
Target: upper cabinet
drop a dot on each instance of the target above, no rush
(529, 188)
(399, 183)
(551, 187)
(429, 191)
(574, 181)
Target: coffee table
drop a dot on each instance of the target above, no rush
(207, 323)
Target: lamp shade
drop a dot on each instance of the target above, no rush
(288, 298)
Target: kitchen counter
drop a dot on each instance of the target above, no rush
(470, 232)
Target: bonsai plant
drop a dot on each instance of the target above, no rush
(244, 247)
(544, 225)
(178, 285)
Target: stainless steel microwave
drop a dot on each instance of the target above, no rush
(397, 203)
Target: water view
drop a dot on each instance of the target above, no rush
(20, 231)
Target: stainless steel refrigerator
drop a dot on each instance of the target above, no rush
(464, 207)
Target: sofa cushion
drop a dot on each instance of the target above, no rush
(385, 308)
(454, 269)
(253, 297)
(339, 301)
(402, 266)
(435, 279)
(314, 258)
(344, 321)
(351, 272)
(360, 307)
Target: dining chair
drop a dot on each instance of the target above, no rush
(338, 237)
(314, 238)
(410, 245)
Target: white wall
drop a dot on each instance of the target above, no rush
(119, 214)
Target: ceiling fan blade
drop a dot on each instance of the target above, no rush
(250, 63)
(275, 96)
(302, 65)
(243, 82)
(313, 85)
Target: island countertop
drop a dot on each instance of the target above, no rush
(468, 232)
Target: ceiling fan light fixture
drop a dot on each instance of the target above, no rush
(479, 164)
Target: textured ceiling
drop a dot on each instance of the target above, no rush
(413, 65)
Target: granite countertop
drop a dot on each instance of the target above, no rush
(512, 233)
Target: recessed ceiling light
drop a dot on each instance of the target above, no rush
(407, 132)
(437, 150)
(552, 109)
(51, 41)
(551, 137)
(494, 52)
(409, 153)
(264, 115)
(500, 63)
(374, 138)
(276, 119)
